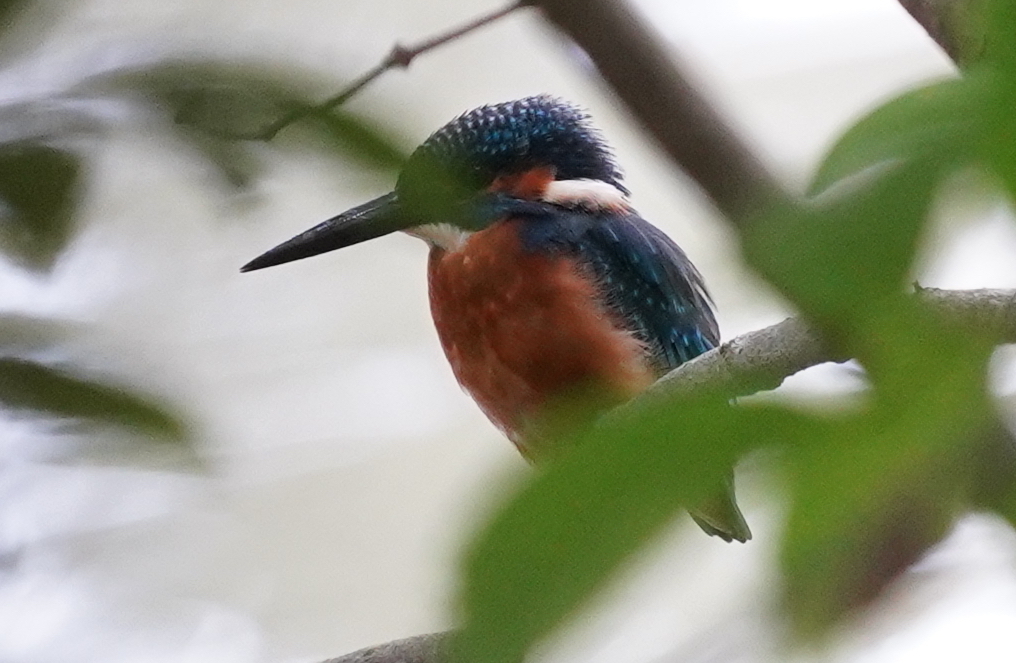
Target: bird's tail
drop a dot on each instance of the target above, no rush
(720, 516)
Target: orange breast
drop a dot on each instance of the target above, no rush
(523, 329)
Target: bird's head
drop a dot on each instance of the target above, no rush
(513, 149)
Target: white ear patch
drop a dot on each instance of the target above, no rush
(592, 195)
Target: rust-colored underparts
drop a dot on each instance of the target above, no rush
(524, 329)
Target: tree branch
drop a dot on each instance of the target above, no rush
(417, 649)
(761, 360)
(956, 25)
(931, 14)
(640, 69)
(757, 361)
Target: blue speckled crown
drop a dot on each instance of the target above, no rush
(512, 137)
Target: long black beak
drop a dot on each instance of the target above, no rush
(378, 217)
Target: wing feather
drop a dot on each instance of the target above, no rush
(646, 279)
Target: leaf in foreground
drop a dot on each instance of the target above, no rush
(840, 258)
(563, 537)
(940, 122)
(884, 485)
(225, 110)
(30, 386)
(38, 188)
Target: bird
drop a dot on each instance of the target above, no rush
(546, 287)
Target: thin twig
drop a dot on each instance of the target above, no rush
(400, 57)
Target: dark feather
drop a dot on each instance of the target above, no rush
(650, 283)
(468, 153)
(646, 279)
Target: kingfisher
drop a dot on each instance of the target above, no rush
(545, 284)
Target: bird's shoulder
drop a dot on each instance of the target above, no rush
(645, 278)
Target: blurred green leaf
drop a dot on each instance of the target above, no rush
(9, 9)
(859, 521)
(940, 122)
(26, 385)
(839, 258)
(997, 18)
(993, 462)
(24, 24)
(216, 108)
(39, 188)
(225, 109)
(878, 488)
(883, 486)
(352, 136)
(999, 139)
(997, 70)
(236, 162)
(948, 124)
(559, 540)
(224, 99)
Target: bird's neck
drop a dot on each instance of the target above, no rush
(539, 185)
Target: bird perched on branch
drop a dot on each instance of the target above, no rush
(545, 284)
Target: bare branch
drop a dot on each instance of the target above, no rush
(931, 15)
(641, 70)
(757, 361)
(763, 359)
(987, 311)
(958, 26)
(400, 57)
(417, 649)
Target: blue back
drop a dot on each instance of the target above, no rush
(646, 279)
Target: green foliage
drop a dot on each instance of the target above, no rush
(9, 9)
(38, 189)
(948, 124)
(34, 387)
(880, 487)
(226, 110)
(578, 521)
(353, 137)
(871, 489)
(841, 257)
(935, 124)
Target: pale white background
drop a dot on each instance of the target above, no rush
(345, 468)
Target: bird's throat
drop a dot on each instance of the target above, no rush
(444, 236)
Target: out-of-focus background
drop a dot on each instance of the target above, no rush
(342, 467)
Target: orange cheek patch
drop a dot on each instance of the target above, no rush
(528, 185)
